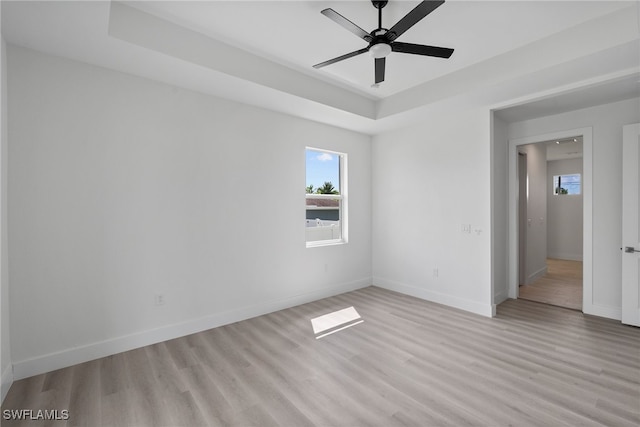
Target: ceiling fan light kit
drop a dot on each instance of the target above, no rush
(380, 50)
(382, 41)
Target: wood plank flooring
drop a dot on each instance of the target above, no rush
(561, 285)
(410, 363)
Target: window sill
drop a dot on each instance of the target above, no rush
(320, 243)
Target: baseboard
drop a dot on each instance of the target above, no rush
(608, 312)
(7, 380)
(73, 356)
(501, 297)
(498, 298)
(444, 299)
(565, 256)
(536, 275)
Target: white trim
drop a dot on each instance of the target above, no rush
(564, 256)
(587, 188)
(608, 312)
(321, 243)
(7, 381)
(500, 297)
(475, 307)
(323, 196)
(322, 208)
(73, 356)
(536, 275)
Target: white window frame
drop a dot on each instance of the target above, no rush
(342, 198)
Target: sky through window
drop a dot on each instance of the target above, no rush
(322, 167)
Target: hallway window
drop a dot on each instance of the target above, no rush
(566, 184)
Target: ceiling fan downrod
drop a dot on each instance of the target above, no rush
(379, 4)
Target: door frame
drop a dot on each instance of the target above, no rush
(522, 172)
(587, 228)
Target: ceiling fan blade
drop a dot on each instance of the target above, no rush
(420, 49)
(412, 18)
(340, 58)
(346, 24)
(380, 65)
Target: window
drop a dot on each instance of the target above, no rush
(326, 197)
(566, 184)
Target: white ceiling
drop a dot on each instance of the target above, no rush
(564, 149)
(295, 33)
(567, 149)
(610, 91)
(261, 52)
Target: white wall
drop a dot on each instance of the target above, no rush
(121, 188)
(606, 121)
(428, 180)
(564, 213)
(6, 368)
(536, 239)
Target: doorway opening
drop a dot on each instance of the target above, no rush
(550, 211)
(550, 221)
(561, 285)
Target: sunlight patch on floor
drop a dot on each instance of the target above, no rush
(331, 323)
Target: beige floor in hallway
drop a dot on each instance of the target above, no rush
(561, 286)
(411, 363)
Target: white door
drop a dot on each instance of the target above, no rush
(631, 225)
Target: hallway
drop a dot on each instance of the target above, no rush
(560, 286)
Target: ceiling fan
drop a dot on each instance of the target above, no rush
(382, 41)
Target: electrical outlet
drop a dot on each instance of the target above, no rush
(435, 272)
(159, 299)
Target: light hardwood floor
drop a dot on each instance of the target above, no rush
(410, 363)
(561, 285)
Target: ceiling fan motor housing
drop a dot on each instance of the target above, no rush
(379, 4)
